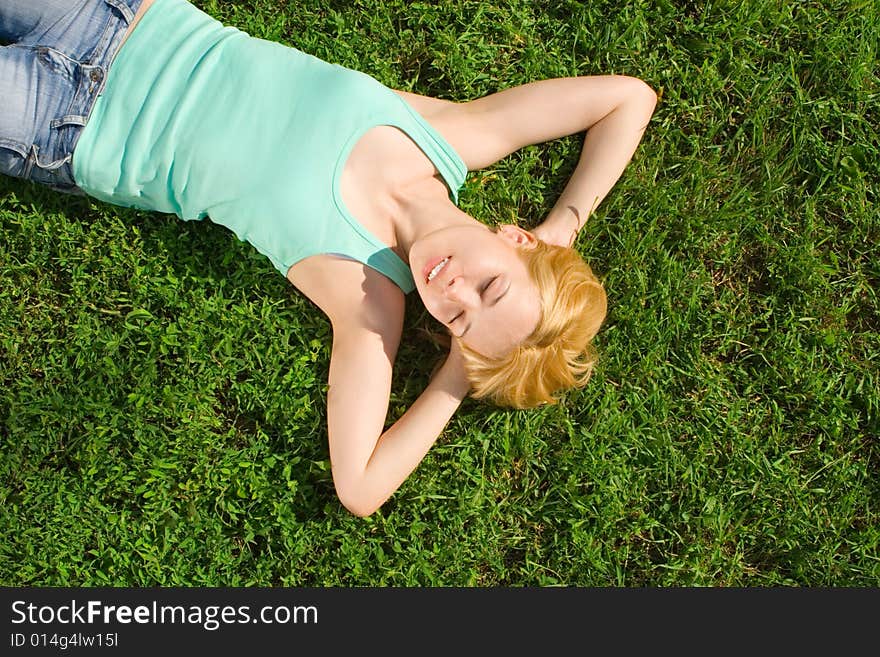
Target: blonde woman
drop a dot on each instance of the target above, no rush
(347, 186)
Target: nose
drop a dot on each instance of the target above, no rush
(459, 292)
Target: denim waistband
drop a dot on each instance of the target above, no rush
(93, 73)
(63, 63)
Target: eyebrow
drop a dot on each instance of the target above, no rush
(494, 303)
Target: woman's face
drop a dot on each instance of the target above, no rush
(474, 282)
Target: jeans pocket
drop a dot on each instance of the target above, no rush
(57, 62)
(14, 159)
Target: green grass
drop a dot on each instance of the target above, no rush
(162, 389)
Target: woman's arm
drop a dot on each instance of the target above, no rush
(608, 147)
(366, 310)
(370, 464)
(613, 109)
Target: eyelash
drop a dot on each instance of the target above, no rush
(485, 287)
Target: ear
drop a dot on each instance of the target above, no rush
(517, 236)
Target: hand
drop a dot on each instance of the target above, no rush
(559, 228)
(454, 373)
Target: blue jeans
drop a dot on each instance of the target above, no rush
(54, 56)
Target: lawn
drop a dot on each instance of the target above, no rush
(162, 388)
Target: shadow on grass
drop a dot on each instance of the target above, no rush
(205, 257)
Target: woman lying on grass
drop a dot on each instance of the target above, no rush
(347, 186)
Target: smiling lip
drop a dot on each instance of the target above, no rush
(430, 266)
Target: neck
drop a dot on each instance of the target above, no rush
(423, 211)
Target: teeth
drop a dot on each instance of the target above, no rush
(437, 269)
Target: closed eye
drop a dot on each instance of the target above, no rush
(500, 295)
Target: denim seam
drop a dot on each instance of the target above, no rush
(123, 9)
(86, 78)
(28, 163)
(85, 96)
(47, 53)
(15, 146)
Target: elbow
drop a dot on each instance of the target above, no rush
(637, 101)
(645, 95)
(353, 499)
(640, 92)
(358, 509)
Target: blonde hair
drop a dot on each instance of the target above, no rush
(558, 354)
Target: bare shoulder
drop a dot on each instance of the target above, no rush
(456, 123)
(351, 294)
(429, 107)
(472, 134)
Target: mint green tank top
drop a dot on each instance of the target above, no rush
(202, 120)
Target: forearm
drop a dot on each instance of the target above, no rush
(608, 147)
(403, 446)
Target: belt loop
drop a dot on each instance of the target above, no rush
(69, 119)
(123, 8)
(49, 166)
